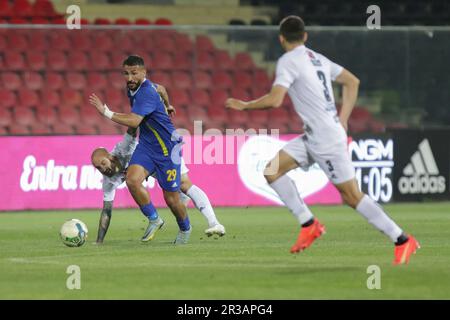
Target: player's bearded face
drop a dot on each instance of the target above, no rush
(134, 75)
(108, 166)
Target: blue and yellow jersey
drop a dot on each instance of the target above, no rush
(157, 132)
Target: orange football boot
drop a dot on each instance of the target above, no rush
(307, 236)
(404, 251)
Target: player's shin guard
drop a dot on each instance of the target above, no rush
(149, 211)
(286, 189)
(373, 212)
(185, 224)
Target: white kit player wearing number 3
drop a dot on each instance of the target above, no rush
(306, 76)
(113, 165)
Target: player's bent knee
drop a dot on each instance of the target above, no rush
(133, 182)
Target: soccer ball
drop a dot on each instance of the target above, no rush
(73, 233)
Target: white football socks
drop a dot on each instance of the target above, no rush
(288, 193)
(202, 203)
(373, 212)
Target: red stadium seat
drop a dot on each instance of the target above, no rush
(60, 41)
(162, 61)
(57, 61)
(102, 21)
(163, 22)
(218, 113)
(222, 80)
(196, 113)
(123, 44)
(82, 42)
(142, 21)
(24, 116)
(204, 43)
(223, 60)
(202, 80)
(96, 81)
(38, 42)
(243, 61)
(280, 115)
(8, 98)
(40, 129)
(200, 97)
(75, 80)
(17, 129)
(261, 79)
(28, 98)
(35, 60)
(179, 97)
(218, 96)
(90, 115)
(181, 80)
(238, 118)
(17, 20)
(100, 61)
(122, 21)
(3, 131)
(259, 116)
(14, 61)
(116, 80)
(62, 129)
(183, 43)
(117, 99)
(5, 117)
(50, 97)
(3, 43)
(183, 61)
(45, 9)
(103, 43)
(33, 80)
(69, 116)
(11, 80)
(205, 61)
(58, 21)
(78, 61)
(71, 98)
(162, 78)
(22, 8)
(5, 9)
(86, 129)
(240, 93)
(39, 20)
(54, 80)
(243, 79)
(18, 42)
(164, 43)
(47, 115)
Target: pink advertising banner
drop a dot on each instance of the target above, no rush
(55, 172)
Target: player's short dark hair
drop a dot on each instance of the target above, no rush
(134, 60)
(292, 28)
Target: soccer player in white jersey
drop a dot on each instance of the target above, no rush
(113, 166)
(306, 76)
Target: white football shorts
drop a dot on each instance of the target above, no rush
(334, 161)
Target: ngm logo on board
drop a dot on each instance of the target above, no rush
(421, 174)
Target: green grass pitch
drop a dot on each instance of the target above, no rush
(251, 262)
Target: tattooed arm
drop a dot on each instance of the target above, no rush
(105, 218)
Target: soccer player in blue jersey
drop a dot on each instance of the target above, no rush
(159, 148)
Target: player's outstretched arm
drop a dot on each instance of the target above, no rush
(105, 219)
(350, 85)
(273, 99)
(127, 119)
